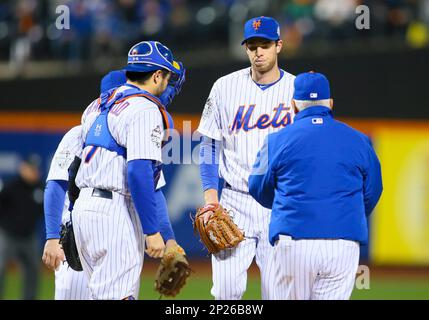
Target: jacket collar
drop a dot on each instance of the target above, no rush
(314, 111)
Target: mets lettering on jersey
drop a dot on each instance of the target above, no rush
(242, 119)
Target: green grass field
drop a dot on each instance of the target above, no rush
(198, 287)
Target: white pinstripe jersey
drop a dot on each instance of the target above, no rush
(69, 284)
(69, 147)
(135, 124)
(240, 115)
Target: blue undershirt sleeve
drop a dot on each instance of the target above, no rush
(209, 163)
(167, 232)
(54, 196)
(141, 183)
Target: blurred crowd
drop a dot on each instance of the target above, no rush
(333, 21)
(106, 28)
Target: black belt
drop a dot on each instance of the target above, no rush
(106, 194)
(226, 185)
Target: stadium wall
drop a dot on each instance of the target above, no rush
(399, 225)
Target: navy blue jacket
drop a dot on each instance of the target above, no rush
(320, 177)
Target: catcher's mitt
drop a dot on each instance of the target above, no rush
(172, 272)
(68, 244)
(220, 232)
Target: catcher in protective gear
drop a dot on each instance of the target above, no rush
(216, 228)
(68, 244)
(172, 272)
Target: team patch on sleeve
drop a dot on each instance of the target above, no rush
(208, 109)
(63, 159)
(156, 136)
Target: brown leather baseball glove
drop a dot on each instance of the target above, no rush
(172, 272)
(220, 232)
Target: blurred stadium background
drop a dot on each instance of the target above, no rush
(378, 78)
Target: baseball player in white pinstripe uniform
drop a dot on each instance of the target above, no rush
(243, 107)
(69, 284)
(115, 214)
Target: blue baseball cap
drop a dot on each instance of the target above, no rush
(112, 80)
(311, 86)
(261, 27)
(148, 56)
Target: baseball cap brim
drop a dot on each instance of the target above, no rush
(261, 35)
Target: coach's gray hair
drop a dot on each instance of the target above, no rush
(303, 104)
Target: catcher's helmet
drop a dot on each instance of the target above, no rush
(148, 56)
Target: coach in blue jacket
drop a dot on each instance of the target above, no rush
(321, 178)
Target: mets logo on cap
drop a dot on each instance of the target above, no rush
(261, 27)
(256, 24)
